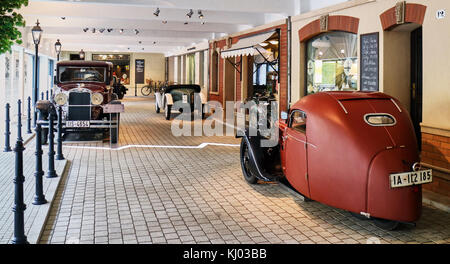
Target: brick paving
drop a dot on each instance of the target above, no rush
(173, 195)
(34, 214)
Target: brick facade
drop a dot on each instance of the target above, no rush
(436, 152)
(335, 23)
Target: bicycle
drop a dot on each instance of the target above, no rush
(147, 90)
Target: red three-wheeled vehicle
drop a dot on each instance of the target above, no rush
(351, 150)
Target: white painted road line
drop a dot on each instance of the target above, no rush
(203, 145)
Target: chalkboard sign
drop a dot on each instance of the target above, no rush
(140, 71)
(369, 62)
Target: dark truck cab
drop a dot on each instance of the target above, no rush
(84, 93)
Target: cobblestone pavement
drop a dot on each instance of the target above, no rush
(170, 195)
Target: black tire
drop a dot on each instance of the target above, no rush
(44, 136)
(114, 137)
(385, 224)
(167, 111)
(249, 176)
(157, 109)
(146, 90)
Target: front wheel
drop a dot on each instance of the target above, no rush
(146, 90)
(386, 224)
(246, 166)
(167, 111)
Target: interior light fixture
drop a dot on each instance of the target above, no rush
(186, 23)
(93, 30)
(191, 12)
(154, 42)
(203, 22)
(156, 13)
(82, 54)
(85, 29)
(136, 31)
(164, 22)
(109, 30)
(342, 51)
(140, 42)
(273, 42)
(121, 31)
(200, 14)
(101, 30)
(63, 18)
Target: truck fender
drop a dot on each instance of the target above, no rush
(169, 99)
(256, 155)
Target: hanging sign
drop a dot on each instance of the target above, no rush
(140, 70)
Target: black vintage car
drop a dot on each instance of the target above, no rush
(179, 95)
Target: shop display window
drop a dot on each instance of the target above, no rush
(332, 62)
(121, 64)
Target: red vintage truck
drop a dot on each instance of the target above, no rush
(356, 151)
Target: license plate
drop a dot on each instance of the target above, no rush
(185, 99)
(410, 178)
(78, 123)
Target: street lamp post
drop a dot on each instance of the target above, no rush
(36, 32)
(58, 49)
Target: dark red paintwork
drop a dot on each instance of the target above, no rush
(347, 161)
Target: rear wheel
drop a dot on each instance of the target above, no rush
(386, 224)
(249, 176)
(167, 111)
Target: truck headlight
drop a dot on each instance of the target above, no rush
(60, 99)
(97, 98)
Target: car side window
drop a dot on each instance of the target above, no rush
(298, 121)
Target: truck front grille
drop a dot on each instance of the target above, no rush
(79, 106)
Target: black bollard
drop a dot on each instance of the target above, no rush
(42, 95)
(59, 152)
(7, 130)
(29, 116)
(39, 197)
(51, 173)
(19, 205)
(46, 96)
(51, 93)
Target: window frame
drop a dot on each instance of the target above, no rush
(290, 121)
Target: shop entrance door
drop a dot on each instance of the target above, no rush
(416, 81)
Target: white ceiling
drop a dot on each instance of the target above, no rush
(221, 17)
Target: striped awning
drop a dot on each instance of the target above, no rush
(247, 46)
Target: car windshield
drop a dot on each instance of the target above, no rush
(82, 74)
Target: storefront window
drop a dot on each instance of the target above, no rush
(121, 64)
(332, 63)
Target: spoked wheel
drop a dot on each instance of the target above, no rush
(246, 166)
(146, 90)
(167, 111)
(386, 224)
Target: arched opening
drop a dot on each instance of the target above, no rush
(402, 60)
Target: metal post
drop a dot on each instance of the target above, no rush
(51, 93)
(59, 152)
(51, 173)
(42, 95)
(39, 197)
(19, 205)
(36, 89)
(29, 116)
(46, 96)
(7, 132)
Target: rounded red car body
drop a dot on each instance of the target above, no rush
(346, 149)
